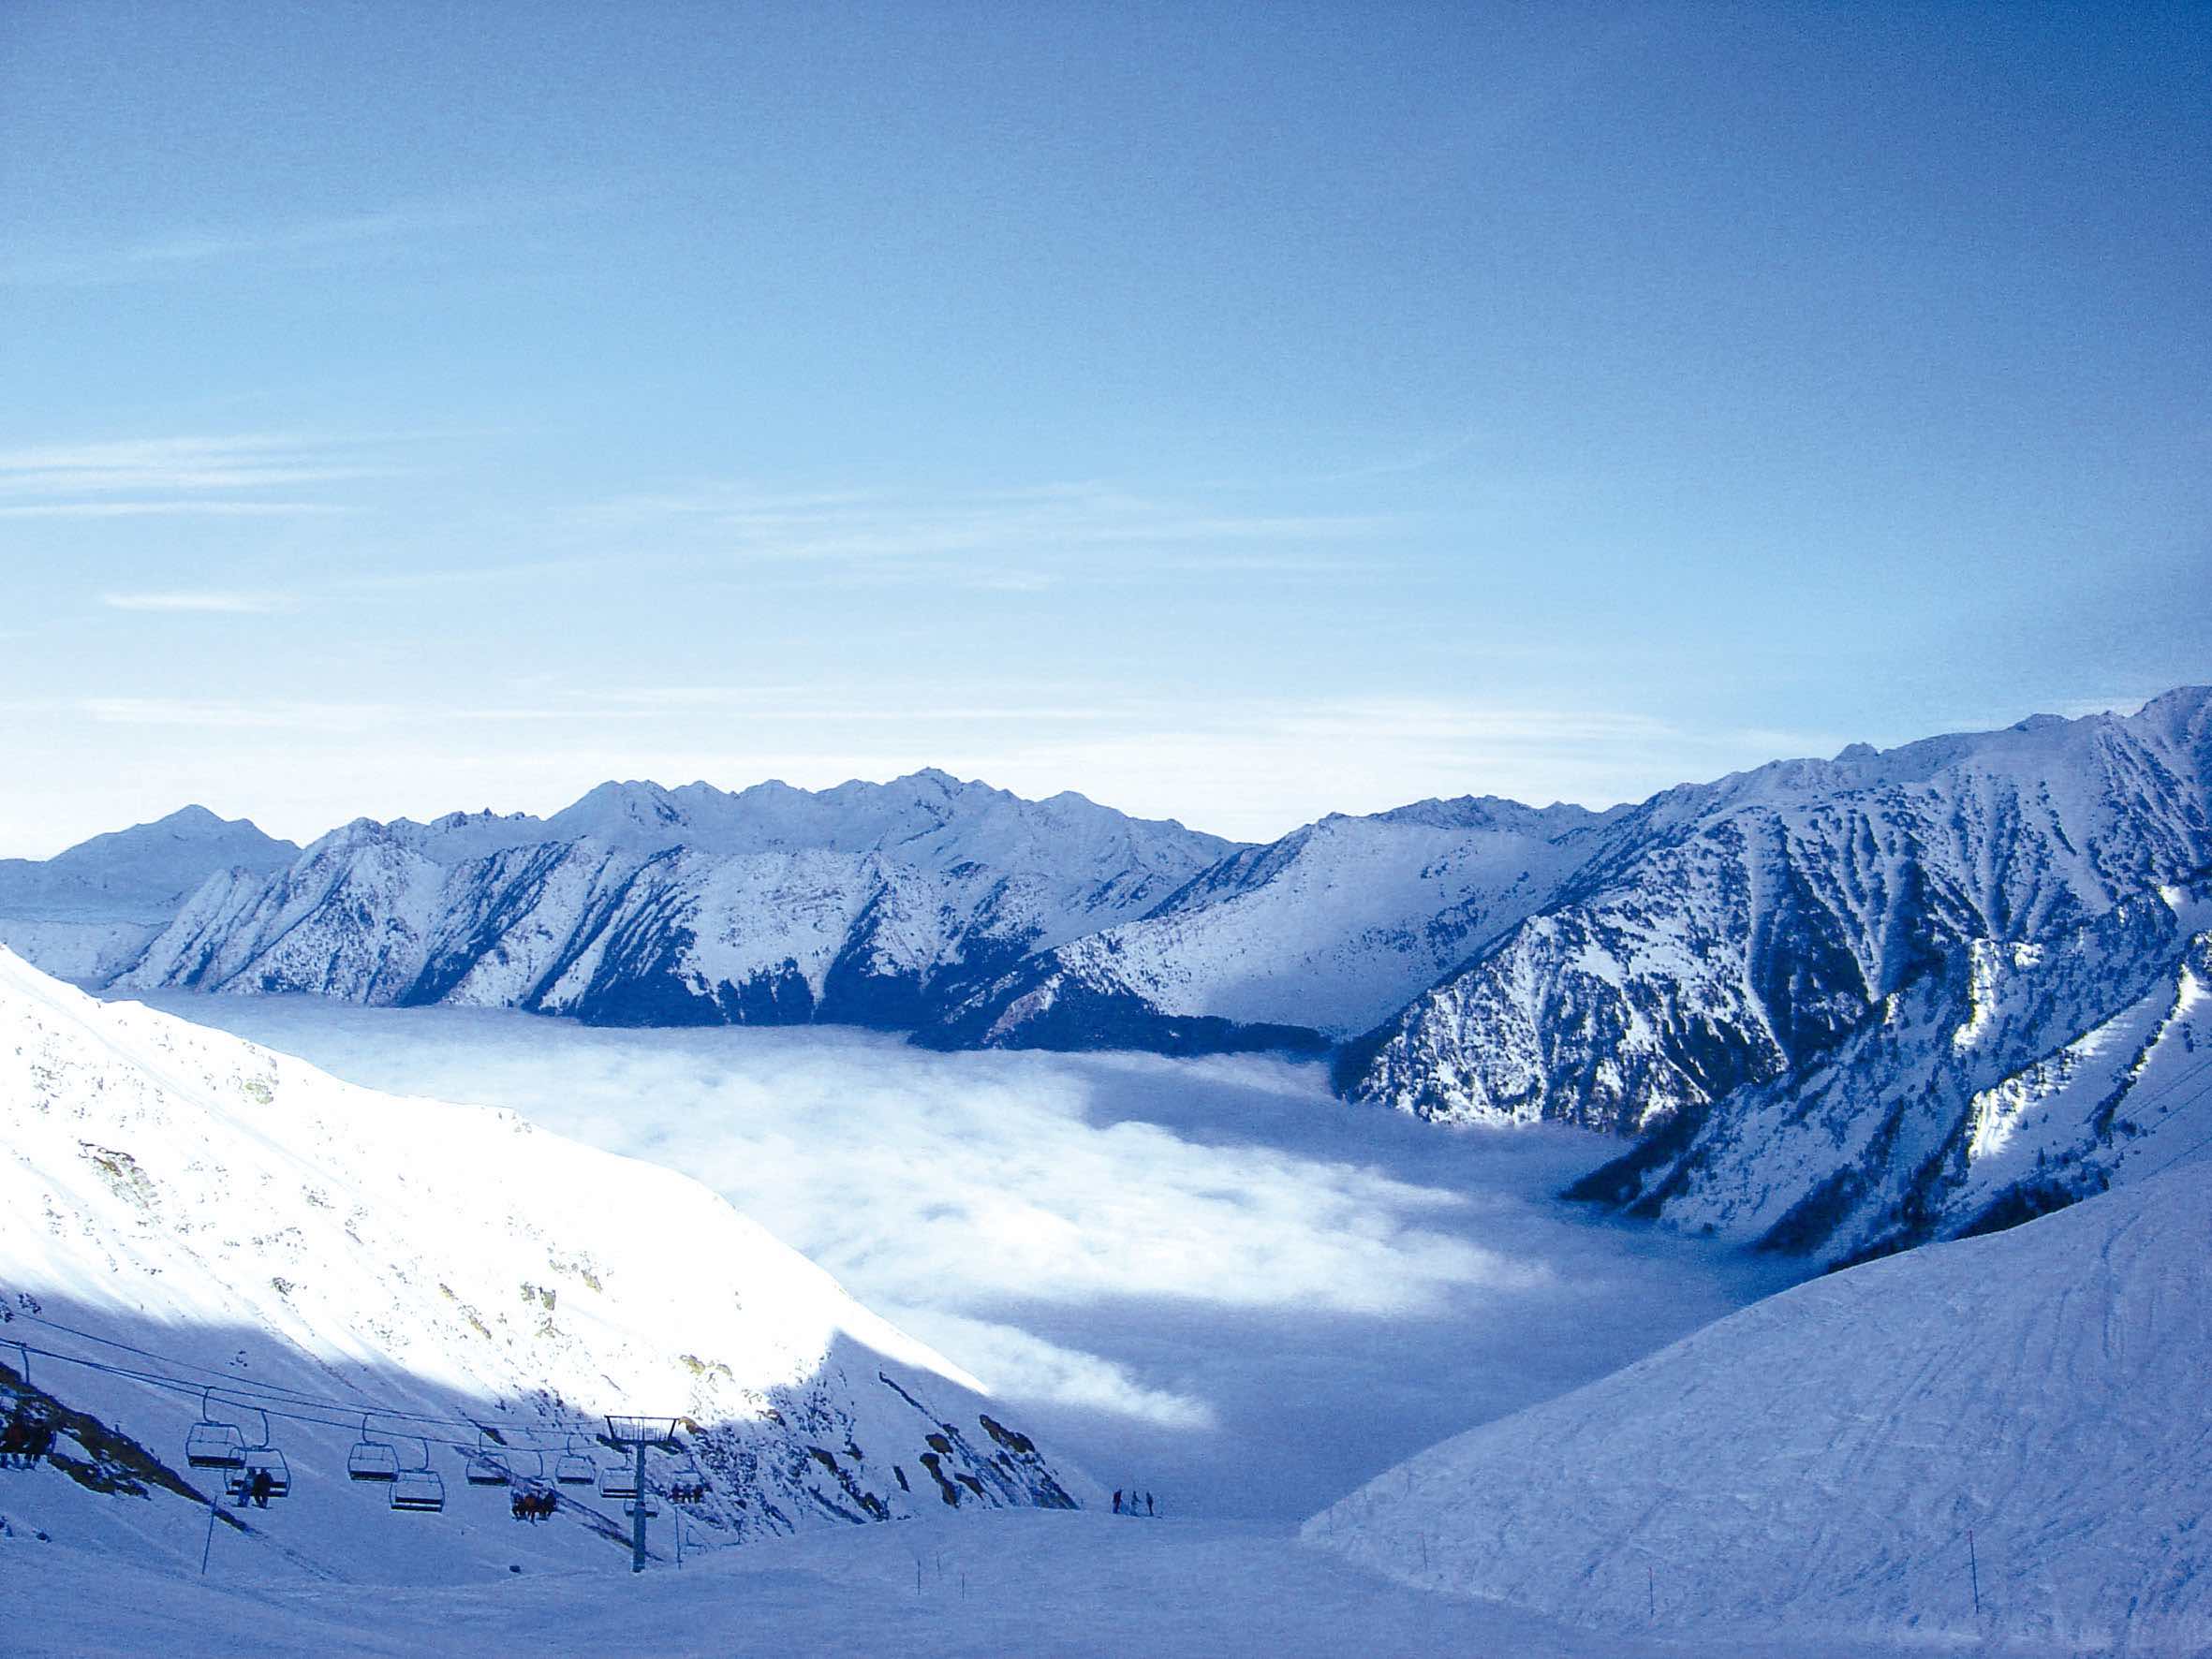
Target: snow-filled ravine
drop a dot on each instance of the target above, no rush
(1204, 1279)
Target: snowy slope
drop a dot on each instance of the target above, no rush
(867, 902)
(1811, 1466)
(995, 1585)
(1319, 935)
(88, 911)
(240, 1219)
(1738, 928)
(2006, 1086)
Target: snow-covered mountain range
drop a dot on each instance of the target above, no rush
(89, 913)
(1749, 976)
(1978, 1443)
(1860, 1003)
(867, 903)
(180, 1210)
(1308, 940)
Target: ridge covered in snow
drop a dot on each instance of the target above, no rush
(1702, 971)
(1812, 988)
(179, 1204)
(88, 911)
(866, 903)
(1310, 939)
(1997, 1440)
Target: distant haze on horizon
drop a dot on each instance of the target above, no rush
(1232, 414)
(308, 830)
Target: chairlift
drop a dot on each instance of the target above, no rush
(689, 1487)
(644, 1506)
(371, 1460)
(211, 1443)
(419, 1491)
(575, 1468)
(258, 1461)
(484, 1468)
(26, 1436)
(537, 1482)
(618, 1481)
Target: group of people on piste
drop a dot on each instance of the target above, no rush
(1129, 1505)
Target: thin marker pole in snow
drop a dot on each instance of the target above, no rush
(1651, 1593)
(638, 1516)
(210, 1545)
(1974, 1572)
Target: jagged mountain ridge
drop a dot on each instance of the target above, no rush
(866, 903)
(87, 913)
(1298, 944)
(1645, 971)
(2004, 1083)
(1791, 937)
(247, 1220)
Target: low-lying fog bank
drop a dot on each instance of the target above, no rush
(1208, 1279)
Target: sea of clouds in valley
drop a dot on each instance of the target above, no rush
(1207, 1278)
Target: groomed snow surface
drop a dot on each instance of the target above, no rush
(1034, 1586)
(1814, 1463)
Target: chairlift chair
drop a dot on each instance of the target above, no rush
(211, 1443)
(575, 1468)
(214, 1445)
(419, 1491)
(484, 1468)
(618, 1482)
(259, 1460)
(371, 1460)
(28, 1434)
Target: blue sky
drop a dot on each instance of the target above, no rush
(1233, 413)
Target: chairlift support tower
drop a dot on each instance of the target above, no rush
(636, 1434)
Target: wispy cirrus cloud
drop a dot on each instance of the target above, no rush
(211, 601)
(321, 239)
(217, 476)
(180, 507)
(1015, 536)
(273, 714)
